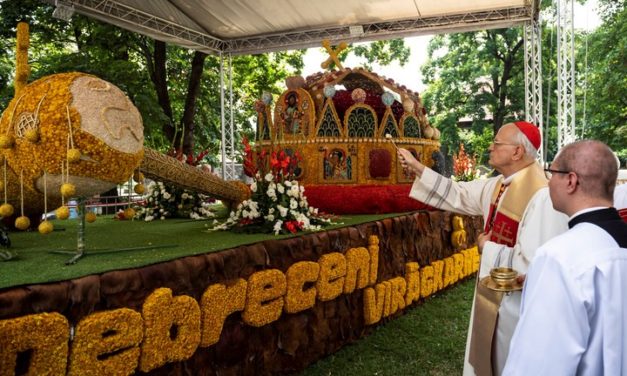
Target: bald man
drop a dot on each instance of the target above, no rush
(518, 217)
(574, 311)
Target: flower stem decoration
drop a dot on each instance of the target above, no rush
(6, 209)
(464, 166)
(277, 204)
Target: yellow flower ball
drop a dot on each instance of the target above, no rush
(45, 227)
(90, 217)
(6, 141)
(129, 213)
(139, 189)
(22, 223)
(6, 210)
(62, 213)
(73, 155)
(68, 190)
(138, 177)
(32, 135)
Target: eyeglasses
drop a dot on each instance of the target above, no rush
(499, 143)
(549, 172)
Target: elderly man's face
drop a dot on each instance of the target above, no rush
(503, 147)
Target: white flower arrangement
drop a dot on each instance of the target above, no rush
(278, 204)
(165, 201)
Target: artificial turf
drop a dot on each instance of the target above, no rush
(160, 241)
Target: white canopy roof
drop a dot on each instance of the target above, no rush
(248, 27)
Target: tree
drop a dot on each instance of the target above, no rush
(606, 97)
(477, 75)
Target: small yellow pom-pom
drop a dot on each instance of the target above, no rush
(6, 141)
(73, 155)
(138, 177)
(90, 217)
(68, 190)
(22, 223)
(45, 227)
(6, 210)
(63, 212)
(139, 189)
(129, 213)
(32, 135)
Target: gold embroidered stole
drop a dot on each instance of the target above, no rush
(504, 228)
(508, 215)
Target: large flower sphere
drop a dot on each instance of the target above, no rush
(329, 91)
(359, 95)
(387, 98)
(106, 129)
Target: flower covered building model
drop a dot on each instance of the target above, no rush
(338, 122)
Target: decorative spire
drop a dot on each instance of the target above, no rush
(333, 54)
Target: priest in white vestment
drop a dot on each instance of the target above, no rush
(518, 217)
(574, 306)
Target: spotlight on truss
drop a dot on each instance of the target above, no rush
(63, 11)
(356, 30)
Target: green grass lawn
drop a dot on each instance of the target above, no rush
(428, 340)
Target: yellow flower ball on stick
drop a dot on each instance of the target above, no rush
(6, 141)
(32, 135)
(22, 223)
(6, 210)
(138, 177)
(139, 189)
(129, 213)
(68, 190)
(63, 212)
(73, 155)
(45, 227)
(90, 217)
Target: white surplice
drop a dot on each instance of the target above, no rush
(574, 311)
(620, 196)
(540, 222)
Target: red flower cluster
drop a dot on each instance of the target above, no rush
(293, 226)
(189, 159)
(464, 165)
(281, 164)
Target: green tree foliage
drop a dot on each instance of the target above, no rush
(478, 76)
(606, 86)
(382, 52)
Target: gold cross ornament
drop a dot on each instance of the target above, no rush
(333, 54)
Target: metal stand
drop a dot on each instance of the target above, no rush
(80, 244)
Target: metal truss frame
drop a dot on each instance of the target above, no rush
(226, 117)
(565, 73)
(112, 10)
(533, 78)
(381, 30)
